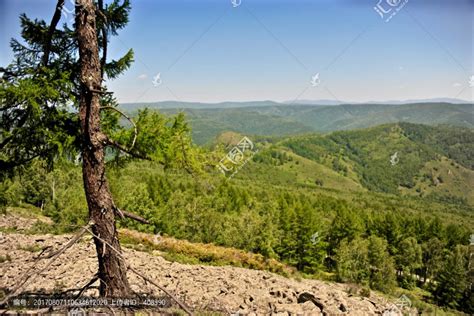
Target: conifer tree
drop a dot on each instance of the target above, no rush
(54, 103)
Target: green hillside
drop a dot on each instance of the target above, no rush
(207, 124)
(431, 162)
(366, 115)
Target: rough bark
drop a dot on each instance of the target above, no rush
(112, 269)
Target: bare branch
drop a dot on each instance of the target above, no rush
(98, 91)
(135, 217)
(117, 145)
(92, 281)
(129, 119)
(52, 28)
(123, 214)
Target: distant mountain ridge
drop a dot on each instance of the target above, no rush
(392, 102)
(193, 105)
(240, 104)
(273, 119)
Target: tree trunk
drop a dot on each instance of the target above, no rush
(112, 269)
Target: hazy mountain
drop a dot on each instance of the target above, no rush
(131, 107)
(334, 102)
(281, 120)
(316, 102)
(352, 116)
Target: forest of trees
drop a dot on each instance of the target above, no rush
(376, 246)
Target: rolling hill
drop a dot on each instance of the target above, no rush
(401, 159)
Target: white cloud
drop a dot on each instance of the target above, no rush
(456, 84)
(143, 76)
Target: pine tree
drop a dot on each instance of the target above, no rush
(352, 261)
(54, 104)
(452, 281)
(345, 225)
(433, 251)
(408, 259)
(382, 276)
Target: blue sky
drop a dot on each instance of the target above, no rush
(210, 51)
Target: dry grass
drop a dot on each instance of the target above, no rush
(198, 253)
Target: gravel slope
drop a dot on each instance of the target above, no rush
(221, 289)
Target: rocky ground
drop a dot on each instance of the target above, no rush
(228, 290)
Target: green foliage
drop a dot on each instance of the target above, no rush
(365, 155)
(452, 286)
(367, 262)
(353, 262)
(433, 253)
(360, 240)
(163, 139)
(346, 225)
(272, 157)
(34, 118)
(382, 275)
(39, 96)
(408, 259)
(454, 142)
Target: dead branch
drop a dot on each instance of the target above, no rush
(27, 276)
(98, 91)
(51, 29)
(92, 281)
(117, 145)
(122, 214)
(129, 119)
(135, 217)
(119, 254)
